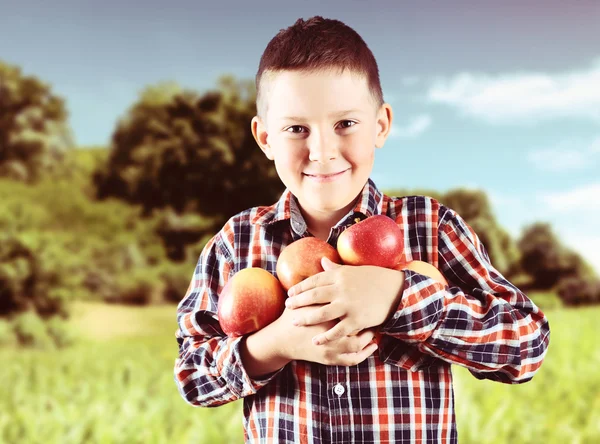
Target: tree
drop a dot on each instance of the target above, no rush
(546, 260)
(191, 153)
(33, 126)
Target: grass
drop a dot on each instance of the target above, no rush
(116, 386)
(560, 405)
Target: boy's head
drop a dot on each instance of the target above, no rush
(320, 112)
(316, 45)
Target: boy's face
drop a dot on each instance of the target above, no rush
(321, 130)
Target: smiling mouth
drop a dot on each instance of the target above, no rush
(325, 176)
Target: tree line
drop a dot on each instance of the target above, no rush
(187, 161)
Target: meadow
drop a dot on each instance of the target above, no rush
(115, 385)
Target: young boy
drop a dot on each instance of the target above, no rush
(316, 374)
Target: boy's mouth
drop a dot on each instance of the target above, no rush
(325, 177)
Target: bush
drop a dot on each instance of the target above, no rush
(60, 332)
(176, 279)
(30, 331)
(7, 335)
(140, 287)
(546, 300)
(57, 245)
(576, 291)
(27, 279)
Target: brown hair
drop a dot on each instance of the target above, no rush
(318, 44)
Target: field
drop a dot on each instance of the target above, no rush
(116, 386)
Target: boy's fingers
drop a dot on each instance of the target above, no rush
(327, 312)
(338, 331)
(317, 280)
(357, 358)
(366, 336)
(310, 297)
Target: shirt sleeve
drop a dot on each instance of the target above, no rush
(484, 323)
(209, 370)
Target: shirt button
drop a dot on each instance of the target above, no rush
(339, 389)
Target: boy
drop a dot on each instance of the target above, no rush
(315, 374)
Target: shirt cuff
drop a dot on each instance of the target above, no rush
(233, 370)
(421, 309)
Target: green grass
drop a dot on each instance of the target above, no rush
(560, 405)
(116, 386)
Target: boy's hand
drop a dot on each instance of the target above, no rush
(298, 344)
(360, 296)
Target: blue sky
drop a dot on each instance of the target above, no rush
(501, 96)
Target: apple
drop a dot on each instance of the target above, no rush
(251, 300)
(423, 268)
(376, 240)
(302, 259)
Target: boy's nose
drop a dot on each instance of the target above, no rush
(322, 148)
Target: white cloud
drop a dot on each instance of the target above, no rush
(566, 156)
(581, 200)
(522, 97)
(416, 126)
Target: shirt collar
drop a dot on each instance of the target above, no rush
(369, 203)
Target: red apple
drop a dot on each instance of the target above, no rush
(302, 259)
(251, 300)
(376, 240)
(423, 268)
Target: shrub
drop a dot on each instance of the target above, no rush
(176, 279)
(140, 287)
(7, 335)
(28, 279)
(30, 331)
(60, 332)
(576, 291)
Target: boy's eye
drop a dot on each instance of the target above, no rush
(347, 123)
(295, 129)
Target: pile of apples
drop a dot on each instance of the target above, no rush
(253, 297)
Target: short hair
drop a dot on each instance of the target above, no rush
(318, 44)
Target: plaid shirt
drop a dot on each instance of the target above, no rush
(403, 392)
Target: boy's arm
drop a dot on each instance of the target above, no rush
(209, 370)
(492, 328)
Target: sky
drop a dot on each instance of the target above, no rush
(498, 96)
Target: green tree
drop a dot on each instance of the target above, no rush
(190, 153)
(34, 133)
(546, 260)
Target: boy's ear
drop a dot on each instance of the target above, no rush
(259, 131)
(384, 124)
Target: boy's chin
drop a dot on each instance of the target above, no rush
(326, 205)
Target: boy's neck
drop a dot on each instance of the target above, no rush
(319, 224)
